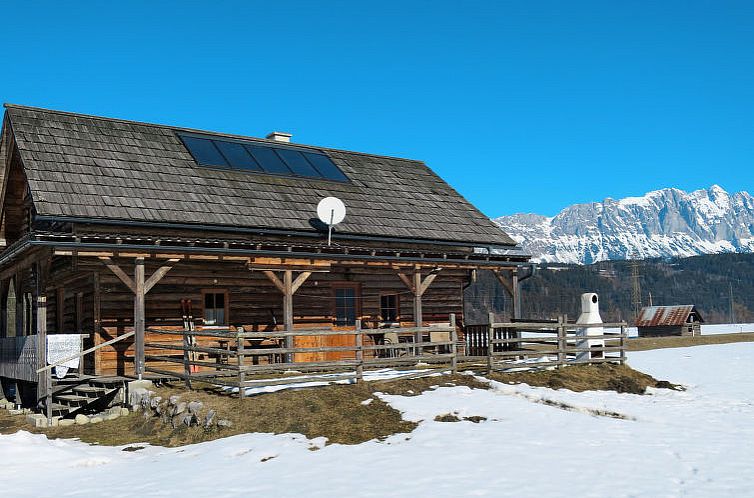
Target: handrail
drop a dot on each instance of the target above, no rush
(85, 352)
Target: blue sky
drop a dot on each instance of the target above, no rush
(522, 106)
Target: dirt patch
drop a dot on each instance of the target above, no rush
(599, 377)
(646, 343)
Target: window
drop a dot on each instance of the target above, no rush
(346, 305)
(389, 307)
(215, 308)
(261, 157)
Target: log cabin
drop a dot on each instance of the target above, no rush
(662, 321)
(113, 227)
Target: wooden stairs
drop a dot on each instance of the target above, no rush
(86, 394)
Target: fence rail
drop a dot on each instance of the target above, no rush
(238, 359)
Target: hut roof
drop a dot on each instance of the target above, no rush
(666, 316)
(81, 166)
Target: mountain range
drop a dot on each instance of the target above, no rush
(660, 224)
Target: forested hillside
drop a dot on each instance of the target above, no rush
(705, 281)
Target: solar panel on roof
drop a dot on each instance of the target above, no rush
(261, 157)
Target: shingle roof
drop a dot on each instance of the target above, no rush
(87, 166)
(665, 316)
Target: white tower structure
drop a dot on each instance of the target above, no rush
(590, 314)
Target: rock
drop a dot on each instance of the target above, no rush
(15, 412)
(224, 423)
(124, 411)
(173, 400)
(155, 402)
(189, 420)
(81, 419)
(112, 416)
(209, 418)
(66, 422)
(96, 419)
(180, 408)
(195, 407)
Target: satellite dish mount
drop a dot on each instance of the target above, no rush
(331, 211)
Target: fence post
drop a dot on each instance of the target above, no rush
(186, 358)
(623, 334)
(490, 336)
(454, 345)
(359, 353)
(241, 372)
(561, 341)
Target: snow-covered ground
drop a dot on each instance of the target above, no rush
(721, 328)
(699, 442)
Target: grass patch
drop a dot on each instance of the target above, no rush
(335, 412)
(598, 377)
(646, 343)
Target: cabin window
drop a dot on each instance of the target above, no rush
(215, 308)
(389, 307)
(346, 304)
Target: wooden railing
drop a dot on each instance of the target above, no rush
(241, 360)
(234, 358)
(525, 345)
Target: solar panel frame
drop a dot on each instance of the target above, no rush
(272, 159)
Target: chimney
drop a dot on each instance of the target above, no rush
(279, 136)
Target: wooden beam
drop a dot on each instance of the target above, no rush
(300, 281)
(504, 282)
(119, 272)
(418, 319)
(407, 281)
(158, 274)
(426, 283)
(275, 280)
(139, 316)
(288, 310)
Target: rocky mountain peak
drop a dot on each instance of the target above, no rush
(662, 223)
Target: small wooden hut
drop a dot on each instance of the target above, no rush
(657, 321)
(112, 227)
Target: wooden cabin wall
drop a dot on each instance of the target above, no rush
(253, 301)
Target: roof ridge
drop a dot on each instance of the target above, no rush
(9, 105)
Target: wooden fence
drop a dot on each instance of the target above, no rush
(525, 345)
(249, 359)
(239, 359)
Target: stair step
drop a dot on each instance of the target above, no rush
(90, 390)
(72, 399)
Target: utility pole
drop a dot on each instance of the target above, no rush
(636, 291)
(650, 298)
(730, 303)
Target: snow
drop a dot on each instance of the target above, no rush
(691, 443)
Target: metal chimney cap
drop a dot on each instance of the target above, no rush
(279, 136)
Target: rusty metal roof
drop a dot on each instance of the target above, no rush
(666, 316)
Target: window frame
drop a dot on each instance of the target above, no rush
(397, 297)
(226, 307)
(334, 287)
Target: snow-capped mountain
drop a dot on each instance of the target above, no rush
(663, 223)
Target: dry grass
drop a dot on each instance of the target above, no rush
(599, 377)
(646, 343)
(333, 411)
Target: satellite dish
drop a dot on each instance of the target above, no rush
(331, 211)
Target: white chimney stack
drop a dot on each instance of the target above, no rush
(590, 314)
(279, 136)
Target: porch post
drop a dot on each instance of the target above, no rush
(139, 316)
(516, 287)
(44, 384)
(418, 319)
(288, 311)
